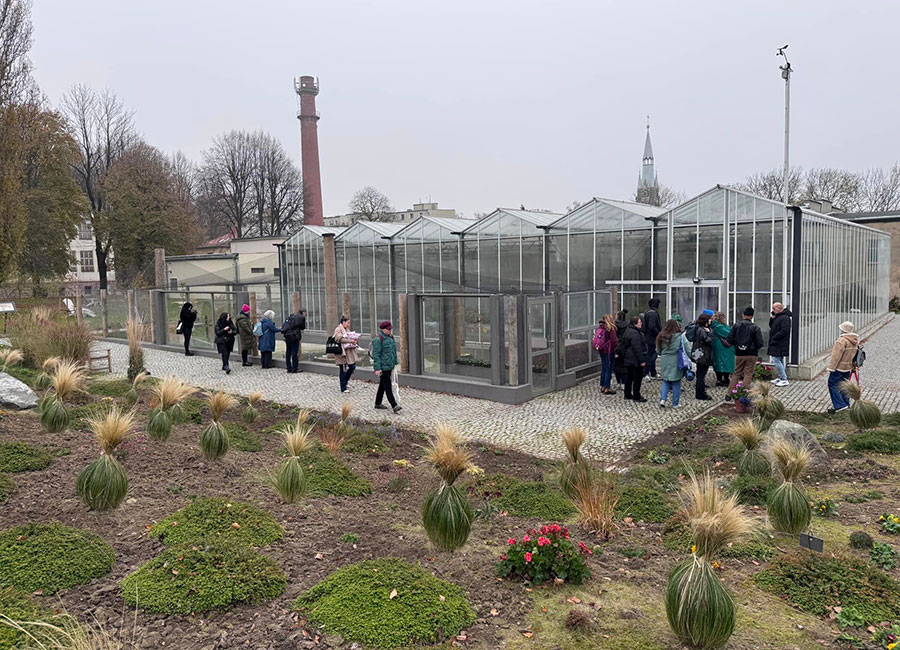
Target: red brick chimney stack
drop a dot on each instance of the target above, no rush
(307, 88)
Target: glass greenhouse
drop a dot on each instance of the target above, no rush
(302, 264)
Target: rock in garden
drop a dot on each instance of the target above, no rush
(801, 436)
(14, 394)
(833, 436)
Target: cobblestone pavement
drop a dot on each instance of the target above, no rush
(614, 425)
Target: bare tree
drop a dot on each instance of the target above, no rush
(769, 184)
(880, 189)
(277, 188)
(666, 197)
(15, 42)
(103, 129)
(184, 176)
(370, 204)
(225, 184)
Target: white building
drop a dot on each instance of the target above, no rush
(417, 211)
(249, 260)
(83, 274)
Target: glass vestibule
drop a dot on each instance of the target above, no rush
(302, 269)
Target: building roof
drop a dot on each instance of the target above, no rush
(325, 230)
(642, 209)
(221, 240)
(201, 257)
(864, 217)
(381, 229)
(451, 224)
(532, 216)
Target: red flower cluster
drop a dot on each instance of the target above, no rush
(543, 541)
(584, 549)
(545, 555)
(555, 529)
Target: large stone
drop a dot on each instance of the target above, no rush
(801, 436)
(15, 395)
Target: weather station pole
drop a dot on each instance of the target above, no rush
(786, 71)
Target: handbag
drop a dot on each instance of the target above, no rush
(257, 329)
(333, 347)
(179, 328)
(701, 354)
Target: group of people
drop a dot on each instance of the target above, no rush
(261, 335)
(383, 350)
(629, 350)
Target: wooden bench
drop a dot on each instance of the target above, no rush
(102, 358)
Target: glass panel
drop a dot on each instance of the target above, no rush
(509, 264)
(684, 253)
(609, 257)
(487, 255)
(559, 261)
(636, 265)
(470, 263)
(683, 303)
(457, 334)
(581, 262)
(711, 252)
(532, 263)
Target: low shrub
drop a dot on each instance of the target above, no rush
(18, 606)
(242, 438)
(51, 557)
(328, 475)
(752, 490)
(890, 523)
(657, 457)
(752, 550)
(871, 495)
(397, 485)
(659, 478)
(189, 579)
(860, 540)
(387, 603)
(825, 507)
(189, 410)
(18, 457)
(7, 487)
(644, 504)
(883, 441)
(41, 336)
(818, 583)
(522, 498)
(545, 555)
(216, 518)
(364, 442)
(633, 551)
(109, 387)
(884, 556)
(349, 538)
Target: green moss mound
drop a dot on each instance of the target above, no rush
(356, 603)
(18, 606)
(522, 498)
(51, 557)
(882, 442)
(7, 487)
(109, 387)
(242, 438)
(215, 519)
(816, 583)
(328, 475)
(752, 490)
(644, 504)
(189, 410)
(186, 579)
(752, 550)
(364, 442)
(81, 415)
(19, 457)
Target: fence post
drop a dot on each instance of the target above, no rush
(255, 348)
(331, 298)
(511, 317)
(162, 318)
(345, 305)
(130, 295)
(403, 334)
(295, 303)
(159, 267)
(103, 317)
(373, 316)
(496, 340)
(79, 307)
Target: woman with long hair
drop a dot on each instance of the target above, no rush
(186, 320)
(606, 340)
(631, 350)
(621, 323)
(723, 351)
(225, 331)
(668, 345)
(701, 354)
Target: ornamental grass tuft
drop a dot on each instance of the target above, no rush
(250, 411)
(864, 414)
(10, 357)
(446, 513)
(167, 396)
(575, 465)
(334, 437)
(102, 485)
(749, 434)
(68, 377)
(700, 610)
(214, 441)
(42, 382)
(291, 480)
(768, 407)
(131, 397)
(787, 505)
(134, 332)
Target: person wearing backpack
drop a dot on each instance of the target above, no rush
(746, 338)
(245, 332)
(292, 331)
(384, 360)
(841, 363)
(631, 350)
(779, 341)
(652, 327)
(606, 339)
(723, 351)
(267, 338)
(702, 355)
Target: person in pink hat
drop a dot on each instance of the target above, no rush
(245, 331)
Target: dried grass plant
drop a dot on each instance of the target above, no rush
(446, 513)
(214, 442)
(103, 484)
(68, 377)
(167, 397)
(290, 480)
(250, 411)
(333, 438)
(10, 357)
(748, 433)
(788, 506)
(864, 414)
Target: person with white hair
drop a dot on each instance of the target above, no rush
(267, 338)
(841, 363)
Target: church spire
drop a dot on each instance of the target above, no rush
(648, 186)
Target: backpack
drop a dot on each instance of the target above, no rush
(257, 329)
(860, 357)
(690, 331)
(701, 354)
(743, 336)
(289, 329)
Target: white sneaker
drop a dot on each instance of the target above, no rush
(662, 404)
(782, 382)
(677, 406)
(774, 381)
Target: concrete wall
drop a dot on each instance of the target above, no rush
(892, 227)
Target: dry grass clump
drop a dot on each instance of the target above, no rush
(68, 377)
(768, 407)
(10, 357)
(788, 506)
(40, 336)
(214, 442)
(131, 397)
(167, 396)
(333, 438)
(47, 369)
(864, 414)
(134, 331)
(102, 485)
(747, 432)
(596, 497)
(700, 610)
(61, 633)
(250, 412)
(291, 480)
(446, 513)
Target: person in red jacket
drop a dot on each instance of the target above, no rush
(606, 340)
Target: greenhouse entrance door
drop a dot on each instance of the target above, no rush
(542, 351)
(689, 299)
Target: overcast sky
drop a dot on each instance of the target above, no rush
(485, 103)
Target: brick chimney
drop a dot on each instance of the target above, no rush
(307, 88)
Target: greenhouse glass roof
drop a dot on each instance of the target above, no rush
(506, 222)
(608, 214)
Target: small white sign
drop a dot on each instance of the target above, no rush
(7, 307)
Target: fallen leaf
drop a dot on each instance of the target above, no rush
(393, 594)
(528, 635)
(319, 556)
(235, 525)
(494, 612)
(442, 598)
(573, 599)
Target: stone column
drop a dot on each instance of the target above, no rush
(331, 291)
(511, 336)
(252, 302)
(159, 264)
(103, 317)
(79, 307)
(402, 334)
(295, 302)
(345, 305)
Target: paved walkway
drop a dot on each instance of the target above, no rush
(614, 425)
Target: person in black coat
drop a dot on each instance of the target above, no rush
(619, 362)
(780, 340)
(652, 326)
(631, 350)
(225, 331)
(702, 339)
(187, 317)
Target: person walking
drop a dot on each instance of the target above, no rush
(186, 322)
(225, 331)
(606, 339)
(292, 331)
(652, 327)
(668, 345)
(267, 339)
(245, 332)
(631, 349)
(723, 351)
(746, 338)
(780, 341)
(843, 352)
(384, 360)
(701, 355)
(621, 323)
(347, 360)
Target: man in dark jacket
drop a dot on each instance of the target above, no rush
(747, 339)
(619, 362)
(631, 350)
(384, 360)
(292, 331)
(780, 341)
(652, 327)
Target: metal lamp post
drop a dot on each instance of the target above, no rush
(786, 71)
